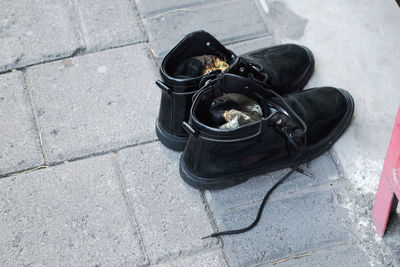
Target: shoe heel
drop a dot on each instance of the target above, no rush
(173, 142)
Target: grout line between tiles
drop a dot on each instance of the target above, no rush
(34, 116)
(80, 51)
(211, 218)
(97, 154)
(129, 202)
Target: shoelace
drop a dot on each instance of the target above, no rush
(260, 210)
(294, 168)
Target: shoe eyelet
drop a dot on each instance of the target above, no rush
(256, 67)
(241, 69)
(208, 44)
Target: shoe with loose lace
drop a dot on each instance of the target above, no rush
(293, 129)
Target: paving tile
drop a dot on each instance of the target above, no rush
(322, 168)
(391, 240)
(229, 22)
(207, 259)
(344, 256)
(19, 142)
(288, 227)
(245, 46)
(170, 214)
(36, 31)
(286, 24)
(251, 45)
(95, 102)
(73, 214)
(153, 7)
(109, 25)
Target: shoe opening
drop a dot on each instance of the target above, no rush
(196, 56)
(229, 110)
(199, 66)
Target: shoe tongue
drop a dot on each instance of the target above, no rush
(277, 107)
(280, 106)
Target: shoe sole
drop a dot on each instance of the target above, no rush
(173, 142)
(178, 143)
(237, 178)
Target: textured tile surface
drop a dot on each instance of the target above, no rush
(96, 102)
(171, 214)
(251, 45)
(90, 104)
(154, 7)
(322, 168)
(228, 22)
(288, 227)
(109, 24)
(36, 31)
(391, 240)
(343, 256)
(73, 214)
(207, 259)
(19, 141)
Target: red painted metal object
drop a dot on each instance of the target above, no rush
(389, 186)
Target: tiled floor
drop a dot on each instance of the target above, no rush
(84, 180)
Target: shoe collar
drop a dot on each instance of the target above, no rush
(194, 44)
(240, 67)
(284, 117)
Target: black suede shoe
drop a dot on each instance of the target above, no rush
(284, 68)
(294, 129)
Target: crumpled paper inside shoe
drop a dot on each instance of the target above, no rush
(198, 66)
(211, 63)
(234, 110)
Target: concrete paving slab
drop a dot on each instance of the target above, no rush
(288, 227)
(355, 46)
(19, 140)
(284, 23)
(322, 168)
(348, 255)
(72, 214)
(36, 31)
(170, 214)
(390, 242)
(229, 22)
(108, 24)
(95, 102)
(251, 45)
(153, 7)
(208, 259)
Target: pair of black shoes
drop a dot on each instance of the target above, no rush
(291, 126)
